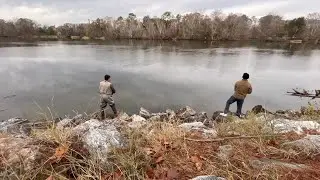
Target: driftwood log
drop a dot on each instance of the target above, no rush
(304, 93)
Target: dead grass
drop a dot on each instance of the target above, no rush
(312, 111)
(161, 151)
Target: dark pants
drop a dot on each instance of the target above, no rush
(231, 101)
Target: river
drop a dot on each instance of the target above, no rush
(62, 78)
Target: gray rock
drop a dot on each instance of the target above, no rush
(144, 113)
(137, 121)
(98, 137)
(208, 178)
(199, 126)
(15, 126)
(65, 123)
(171, 114)
(163, 116)
(259, 109)
(269, 163)
(192, 126)
(216, 117)
(309, 145)
(155, 118)
(199, 117)
(225, 152)
(187, 115)
(280, 112)
(186, 112)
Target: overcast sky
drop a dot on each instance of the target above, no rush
(61, 11)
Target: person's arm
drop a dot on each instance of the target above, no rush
(112, 89)
(235, 86)
(250, 89)
(100, 88)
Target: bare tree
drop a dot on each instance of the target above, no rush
(272, 27)
(313, 26)
(192, 26)
(25, 27)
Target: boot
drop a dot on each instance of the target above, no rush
(102, 115)
(114, 109)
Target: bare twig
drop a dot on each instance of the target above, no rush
(230, 138)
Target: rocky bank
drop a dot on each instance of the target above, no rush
(24, 145)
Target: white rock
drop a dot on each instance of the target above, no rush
(99, 136)
(82, 128)
(192, 126)
(208, 178)
(308, 145)
(144, 113)
(285, 126)
(210, 133)
(99, 140)
(137, 121)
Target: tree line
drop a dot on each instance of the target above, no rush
(192, 26)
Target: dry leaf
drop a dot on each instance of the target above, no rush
(150, 173)
(117, 175)
(172, 174)
(149, 151)
(50, 178)
(197, 161)
(61, 152)
(160, 159)
(157, 149)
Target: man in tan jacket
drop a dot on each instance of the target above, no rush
(106, 91)
(241, 89)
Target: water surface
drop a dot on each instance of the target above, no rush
(63, 77)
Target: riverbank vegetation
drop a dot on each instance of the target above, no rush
(163, 146)
(192, 26)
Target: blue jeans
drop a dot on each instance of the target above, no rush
(231, 101)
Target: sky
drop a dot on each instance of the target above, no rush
(57, 12)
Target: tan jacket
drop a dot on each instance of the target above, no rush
(241, 89)
(106, 88)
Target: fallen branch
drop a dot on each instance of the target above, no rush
(231, 138)
(304, 94)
